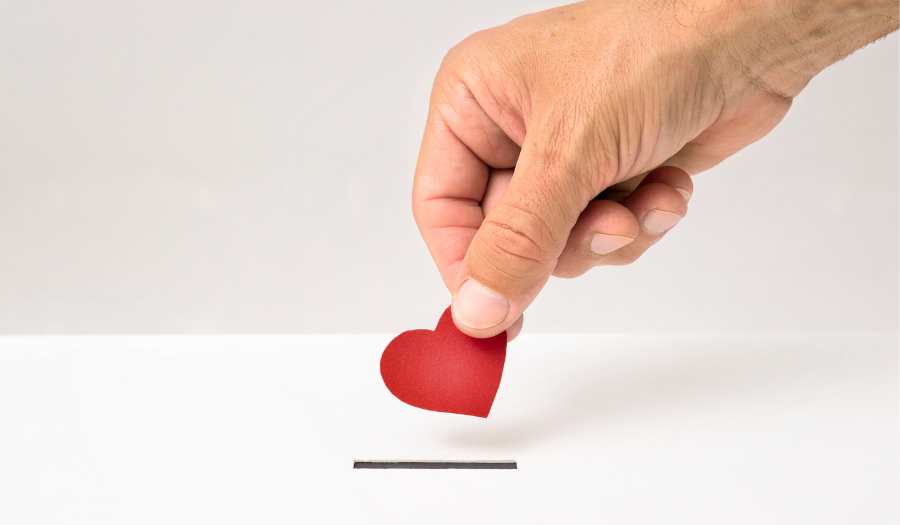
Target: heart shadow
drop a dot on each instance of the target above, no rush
(564, 390)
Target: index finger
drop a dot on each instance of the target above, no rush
(460, 145)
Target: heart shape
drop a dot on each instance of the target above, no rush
(445, 370)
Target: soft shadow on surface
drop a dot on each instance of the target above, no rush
(603, 388)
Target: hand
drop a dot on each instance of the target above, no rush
(584, 100)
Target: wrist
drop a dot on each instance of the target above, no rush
(780, 45)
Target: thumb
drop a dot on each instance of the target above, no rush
(517, 245)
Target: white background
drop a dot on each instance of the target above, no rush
(202, 167)
(614, 429)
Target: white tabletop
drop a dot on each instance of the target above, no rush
(605, 429)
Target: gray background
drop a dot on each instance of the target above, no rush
(197, 167)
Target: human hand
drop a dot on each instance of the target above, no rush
(586, 99)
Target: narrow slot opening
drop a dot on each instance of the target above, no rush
(428, 464)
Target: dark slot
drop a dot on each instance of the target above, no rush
(386, 464)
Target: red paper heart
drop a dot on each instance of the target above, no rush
(445, 370)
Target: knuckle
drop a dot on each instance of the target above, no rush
(463, 53)
(577, 146)
(518, 242)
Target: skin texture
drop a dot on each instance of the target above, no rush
(590, 119)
